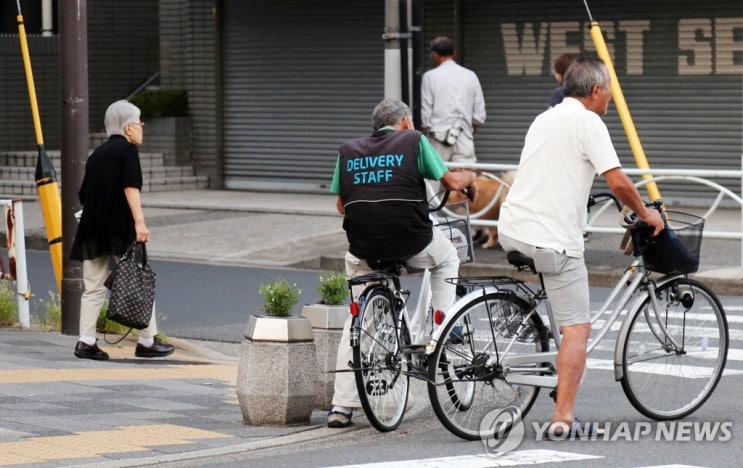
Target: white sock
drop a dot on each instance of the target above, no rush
(146, 342)
(88, 340)
(343, 409)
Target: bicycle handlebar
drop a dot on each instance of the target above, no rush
(596, 198)
(444, 199)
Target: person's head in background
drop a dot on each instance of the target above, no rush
(442, 49)
(561, 66)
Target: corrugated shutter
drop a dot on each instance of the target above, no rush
(679, 63)
(299, 78)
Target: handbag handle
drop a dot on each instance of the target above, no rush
(136, 251)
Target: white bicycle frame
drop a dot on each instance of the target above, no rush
(417, 322)
(522, 368)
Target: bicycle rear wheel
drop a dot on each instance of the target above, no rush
(380, 376)
(463, 389)
(665, 380)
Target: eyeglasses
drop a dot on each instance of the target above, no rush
(141, 124)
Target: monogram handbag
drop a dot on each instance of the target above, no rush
(132, 285)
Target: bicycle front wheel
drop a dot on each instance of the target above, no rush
(381, 379)
(465, 384)
(671, 370)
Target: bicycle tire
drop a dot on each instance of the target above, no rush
(381, 378)
(458, 362)
(664, 383)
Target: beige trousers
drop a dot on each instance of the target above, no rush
(95, 272)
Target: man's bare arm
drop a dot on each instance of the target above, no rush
(625, 190)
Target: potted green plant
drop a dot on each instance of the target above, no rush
(327, 318)
(276, 376)
(279, 297)
(330, 311)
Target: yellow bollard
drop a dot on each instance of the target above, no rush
(51, 207)
(46, 177)
(629, 126)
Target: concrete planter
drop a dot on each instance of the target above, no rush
(277, 375)
(170, 136)
(327, 325)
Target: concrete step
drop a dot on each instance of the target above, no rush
(175, 183)
(27, 188)
(28, 158)
(17, 174)
(156, 172)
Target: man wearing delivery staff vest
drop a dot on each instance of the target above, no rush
(379, 180)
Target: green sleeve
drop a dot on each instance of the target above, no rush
(429, 162)
(335, 186)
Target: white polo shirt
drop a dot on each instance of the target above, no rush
(563, 150)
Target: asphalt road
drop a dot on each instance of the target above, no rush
(211, 302)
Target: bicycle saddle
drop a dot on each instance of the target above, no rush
(521, 261)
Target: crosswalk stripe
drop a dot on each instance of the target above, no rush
(522, 457)
(607, 364)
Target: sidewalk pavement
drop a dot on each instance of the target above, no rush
(57, 410)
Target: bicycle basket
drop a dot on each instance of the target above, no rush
(676, 249)
(454, 222)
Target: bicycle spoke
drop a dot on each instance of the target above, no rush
(464, 387)
(664, 381)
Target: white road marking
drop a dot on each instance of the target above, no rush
(522, 457)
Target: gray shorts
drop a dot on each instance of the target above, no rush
(566, 282)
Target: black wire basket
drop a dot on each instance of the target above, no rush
(676, 249)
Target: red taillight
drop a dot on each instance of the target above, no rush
(354, 308)
(438, 317)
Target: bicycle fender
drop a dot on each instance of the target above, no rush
(455, 308)
(624, 329)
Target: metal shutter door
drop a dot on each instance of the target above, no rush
(299, 78)
(690, 119)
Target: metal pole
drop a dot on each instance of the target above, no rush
(46, 18)
(392, 71)
(417, 65)
(21, 274)
(404, 54)
(73, 57)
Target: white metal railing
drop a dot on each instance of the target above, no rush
(699, 176)
(17, 253)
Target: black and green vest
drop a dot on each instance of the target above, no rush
(384, 196)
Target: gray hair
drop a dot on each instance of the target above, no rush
(583, 74)
(390, 112)
(119, 115)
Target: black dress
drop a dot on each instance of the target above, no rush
(107, 225)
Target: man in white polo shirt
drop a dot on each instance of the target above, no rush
(544, 212)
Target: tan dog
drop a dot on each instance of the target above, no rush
(491, 192)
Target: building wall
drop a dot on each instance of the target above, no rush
(122, 53)
(189, 48)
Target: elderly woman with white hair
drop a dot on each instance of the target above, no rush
(111, 221)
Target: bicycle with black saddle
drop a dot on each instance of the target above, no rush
(498, 344)
(389, 342)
